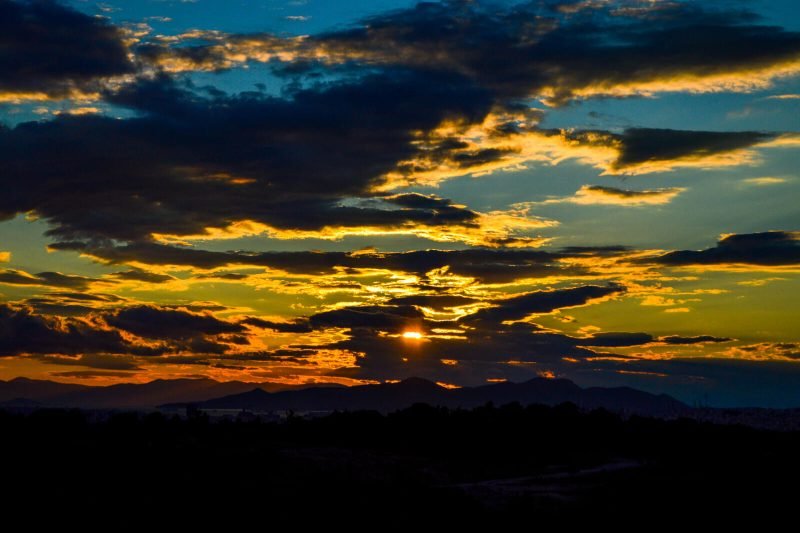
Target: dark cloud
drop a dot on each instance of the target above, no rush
(443, 210)
(136, 274)
(92, 360)
(196, 307)
(48, 48)
(491, 266)
(617, 339)
(519, 307)
(24, 332)
(594, 250)
(539, 49)
(92, 374)
(434, 301)
(189, 163)
(770, 248)
(70, 303)
(87, 297)
(160, 323)
(227, 276)
(529, 49)
(622, 193)
(166, 330)
(644, 145)
(698, 339)
(58, 306)
(299, 325)
(394, 319)
(46, 279)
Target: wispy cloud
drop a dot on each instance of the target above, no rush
(601, 195)
(764, 181)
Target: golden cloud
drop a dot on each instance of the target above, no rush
(502, 228)
(600, 195)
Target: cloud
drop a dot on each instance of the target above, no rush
(600, 195)
(617, 339)
(138, 330)
(92, 374)
(24, 332)
(192, 163)
(299, 325)
(646, 146)
(392, 319)
(533, 49)
(228, 166)
(136, 274)
(541, 302)
(158, 323)
(46, 279)
(764, 181)
(767, 351)
(92, 360)
(50, 51)
(465, 349)
(698, 339)
(767, 249)
(225, 276)
(60, 306)
(510, 139)
(485, 265)
(434, 301)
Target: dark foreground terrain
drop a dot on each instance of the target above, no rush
(526, 467)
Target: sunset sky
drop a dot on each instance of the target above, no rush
(358, 191)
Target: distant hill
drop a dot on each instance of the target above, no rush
(122, 396)
(392, 396)
(211, 394)
(23, 392)
(34, 389)
(134, 395)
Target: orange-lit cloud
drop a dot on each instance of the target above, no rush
(513, 141)
(510, 228)
(600, 195)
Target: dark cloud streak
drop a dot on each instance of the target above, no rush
(51, 49)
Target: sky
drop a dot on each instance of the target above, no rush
(355, 192)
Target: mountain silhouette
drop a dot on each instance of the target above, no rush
(393, 396)
(121, 396)
(134, 395)
(22, 391)
(385, 397)
(34, 389)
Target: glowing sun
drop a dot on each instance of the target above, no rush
(412, 335)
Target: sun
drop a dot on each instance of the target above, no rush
(412, 335)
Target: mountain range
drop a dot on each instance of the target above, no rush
(388, 397)
(385, 397)
(23, 392)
